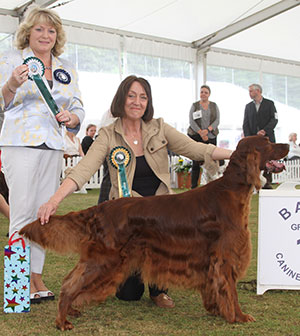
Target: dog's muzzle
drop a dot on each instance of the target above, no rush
(274, 166)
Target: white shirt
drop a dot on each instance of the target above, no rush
(72, 148)
(294, 150)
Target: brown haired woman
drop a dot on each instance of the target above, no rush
(87, 141)
(148, 141)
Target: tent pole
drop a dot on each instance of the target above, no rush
(200, 71)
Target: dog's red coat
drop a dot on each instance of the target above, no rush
(198, 239)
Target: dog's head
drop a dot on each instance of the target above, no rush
(261, 154)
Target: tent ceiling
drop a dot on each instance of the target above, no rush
(187, 21)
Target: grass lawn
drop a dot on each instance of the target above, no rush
(276, 312)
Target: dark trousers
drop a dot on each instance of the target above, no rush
(133, 289)
(3, 187)
(105, 185)
(268, 177)
(196, 164)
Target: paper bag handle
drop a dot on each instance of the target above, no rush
(10, 241)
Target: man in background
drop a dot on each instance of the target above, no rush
(260, 118)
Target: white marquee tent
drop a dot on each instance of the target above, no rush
(223, 43)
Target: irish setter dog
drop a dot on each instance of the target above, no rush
(198, 239)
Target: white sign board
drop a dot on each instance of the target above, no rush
(279, 238)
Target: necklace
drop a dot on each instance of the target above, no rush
(134, 136)
(135, 139)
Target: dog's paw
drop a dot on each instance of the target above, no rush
(63, 326)
(245, 318)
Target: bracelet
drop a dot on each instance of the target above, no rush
(9, 89)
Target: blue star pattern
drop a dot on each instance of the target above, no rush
(16, 279)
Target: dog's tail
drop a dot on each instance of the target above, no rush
(63, 234)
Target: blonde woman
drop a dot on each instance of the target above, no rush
(31, 139)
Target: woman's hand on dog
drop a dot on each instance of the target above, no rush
(46, 210)
(49, 208)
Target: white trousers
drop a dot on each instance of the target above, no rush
(32, 176)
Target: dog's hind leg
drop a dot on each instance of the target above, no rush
(87, 282)
(219, 293)
(73, 312)
(64, 306)
(67, 296)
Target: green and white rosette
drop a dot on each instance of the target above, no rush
(36, 72)
(120, 157)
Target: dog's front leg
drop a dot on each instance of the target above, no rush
(228, 298)
(219, 292)
(239, 315)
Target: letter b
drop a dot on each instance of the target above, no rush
(284, 213)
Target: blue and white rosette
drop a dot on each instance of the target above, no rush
(120, 157)
(62, 76)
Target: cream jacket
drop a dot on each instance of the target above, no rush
(158, 137)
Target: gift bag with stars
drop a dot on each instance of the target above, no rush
(16, 277)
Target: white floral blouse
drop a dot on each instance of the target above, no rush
(27, 120)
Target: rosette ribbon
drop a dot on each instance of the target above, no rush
(36, 71)
(119, 158)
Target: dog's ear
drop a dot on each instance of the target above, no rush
(253, 171)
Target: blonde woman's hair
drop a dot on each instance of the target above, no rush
(291, 135)
(36, 15)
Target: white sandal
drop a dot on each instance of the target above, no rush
(34, 299)
(46, 295)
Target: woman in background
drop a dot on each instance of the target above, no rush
(72, 145)
(204, 120)
(89, 137)
(294, 152)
